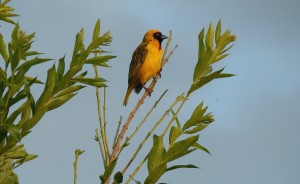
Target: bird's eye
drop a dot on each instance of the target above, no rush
(157, 35)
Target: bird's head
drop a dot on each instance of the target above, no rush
(154, 34)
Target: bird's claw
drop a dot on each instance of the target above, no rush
(149, 90)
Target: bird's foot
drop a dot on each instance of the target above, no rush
(149, 90)
(159, 73)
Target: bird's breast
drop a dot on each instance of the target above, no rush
(151, 64)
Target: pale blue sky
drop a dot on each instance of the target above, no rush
(255, 138)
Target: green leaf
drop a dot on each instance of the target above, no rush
(96, 30)
(201, 51)
(15, 114)
(180, 148)
(218, 32)
(99, 60)
(3, 50)
(4, 77)
(32, 80)
(156, 154)
(103, 40)
(69, 90)
(28, 64)
(204, 80)
(175, 132)
(32, 53)
(48, 90)
(60, 69)
(57, 102)
(154, 176)
(198, 127)
(209, 39)
(189, 166)
(198, 146)
(27, 158)
(13, 130)
(195, 117)
(78, 47)
(108, 171)
(99, 82)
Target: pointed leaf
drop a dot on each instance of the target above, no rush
(3, 77)
(99, 60)
(209, 39)
(156, 153)
(154, 176)
(108, 171)
(69, 90)
(57, 102)
(30, 63)
(195, 117)
(198, 146)
(189, 166)
(91, 81)
(3, 50)
(96, 30)
(218, 32)
(49, 87)
(175, 132)
(204, 80)
(32, 53)
(78, 47)
(201, 51)
(60, 69)
(32, 80)
(198, 128)
(180, 148)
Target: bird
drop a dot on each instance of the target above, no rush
(145, 62)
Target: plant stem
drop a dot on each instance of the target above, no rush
(179, 98)
(176, 113)
(105, 122)
(147, 115)
(78, 152)
(101, 147)
(106, 155)
(117, 131)
(136, 170)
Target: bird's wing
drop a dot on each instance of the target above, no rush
(138, 58)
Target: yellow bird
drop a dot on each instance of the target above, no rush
(145, 62)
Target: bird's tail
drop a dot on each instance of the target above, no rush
(129, 90)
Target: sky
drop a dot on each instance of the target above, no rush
(255, 138)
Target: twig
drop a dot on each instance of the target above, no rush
(166, 48)
(117, 131)
(78, 152)
(100, 120)
(175, 115)
(136, 169)
(147, 115)
(179, 98)
(140, 102)
(101, 147)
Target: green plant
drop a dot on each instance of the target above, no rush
(20, 110)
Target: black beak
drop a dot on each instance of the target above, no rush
(163, 37)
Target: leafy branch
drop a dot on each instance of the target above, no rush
(20, 110)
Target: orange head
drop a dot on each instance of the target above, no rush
(154, 34)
